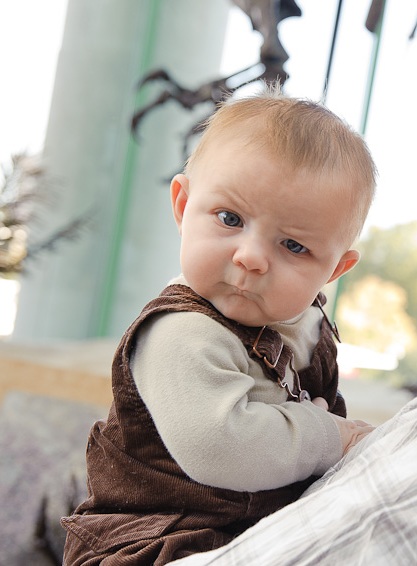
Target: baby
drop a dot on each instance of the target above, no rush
(226, 403)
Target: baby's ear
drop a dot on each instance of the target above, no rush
(179, 196)
(346, 263)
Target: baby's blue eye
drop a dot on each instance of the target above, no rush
(229, 218)
(295, 247)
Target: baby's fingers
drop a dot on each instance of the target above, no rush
(321, 402)
(362, 423)
(363, 430)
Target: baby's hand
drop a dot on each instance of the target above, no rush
(351, 432)
(321, 402)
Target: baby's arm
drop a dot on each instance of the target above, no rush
(351, 431)
(222, 421)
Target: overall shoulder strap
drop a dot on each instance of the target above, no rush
(263, 344)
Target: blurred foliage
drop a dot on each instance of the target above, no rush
(17, 193)
(24, 185)
(377, 306)
(390, 254)
(374, 314)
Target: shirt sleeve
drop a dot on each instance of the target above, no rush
(194, 377)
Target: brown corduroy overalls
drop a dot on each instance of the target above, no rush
(142, 509)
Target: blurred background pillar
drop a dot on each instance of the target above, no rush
(96, 285)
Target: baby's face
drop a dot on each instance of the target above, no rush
(257, 242)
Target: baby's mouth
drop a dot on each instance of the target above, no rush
(242, 292)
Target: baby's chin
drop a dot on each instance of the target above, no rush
(241, 314)
(247, 311)
(259, 321)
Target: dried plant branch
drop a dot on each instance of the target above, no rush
(26, 184)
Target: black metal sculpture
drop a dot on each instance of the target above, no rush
(265, 16)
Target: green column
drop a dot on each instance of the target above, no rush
(364, 118)
(108, 288)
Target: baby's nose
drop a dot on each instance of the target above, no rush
(251, 255)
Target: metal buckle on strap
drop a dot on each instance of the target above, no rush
(300, 394)
(261, 356)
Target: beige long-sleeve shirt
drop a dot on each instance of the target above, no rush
(220, 418)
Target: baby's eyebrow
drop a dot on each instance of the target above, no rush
(234, 197)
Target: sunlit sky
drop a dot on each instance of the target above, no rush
(30, 38)
(31, 34)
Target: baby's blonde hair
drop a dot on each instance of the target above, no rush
(304, 134)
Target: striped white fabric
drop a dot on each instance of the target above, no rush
(362, 511)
